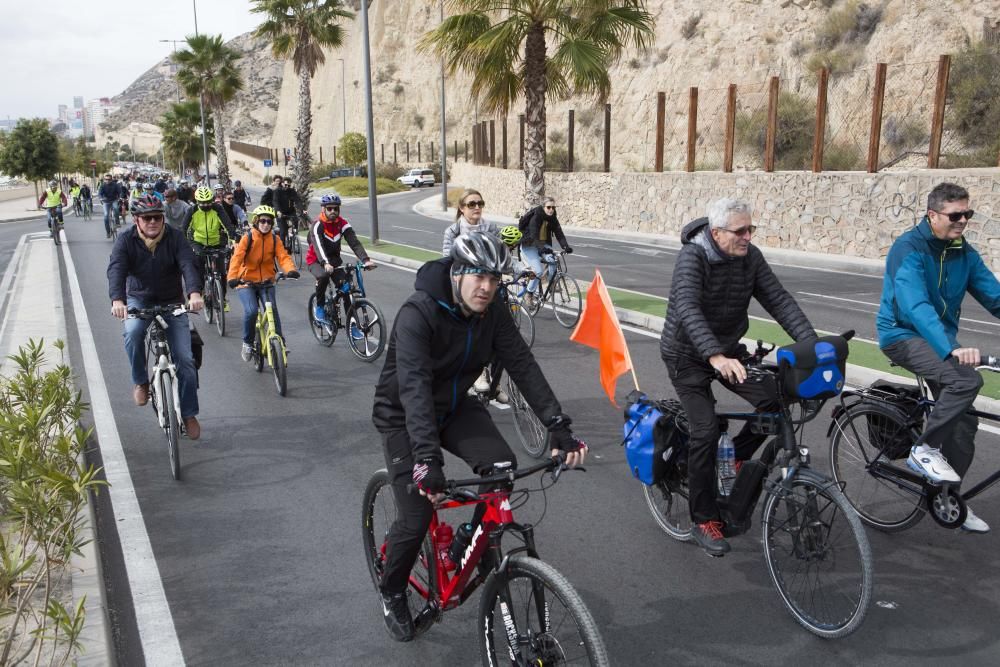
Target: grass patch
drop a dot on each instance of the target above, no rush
(357, 186)
(404, 251)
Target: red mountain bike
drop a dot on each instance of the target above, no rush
(527, 610)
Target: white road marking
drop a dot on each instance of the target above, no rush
(869, 303)
(157, 633)
(412, 229)
(6, 285)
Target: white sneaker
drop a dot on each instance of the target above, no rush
(247, 350)
(502, 397)
(931, 463)
(974, 524)
(482, 384)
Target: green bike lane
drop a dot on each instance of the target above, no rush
(259, 546)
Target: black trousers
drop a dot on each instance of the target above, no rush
(692, 380)
(339, 277)
(220, 262)
(469, 434)
(955, 388)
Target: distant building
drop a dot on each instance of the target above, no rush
(63, 114)
(95, 113)
(77, 102)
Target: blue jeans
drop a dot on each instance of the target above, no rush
(251, 305)
(179, 338)
(54, 213)
(110, 209)
(532, 256)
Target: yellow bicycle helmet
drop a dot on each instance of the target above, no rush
(203, 194)
(263, 209)
(511, 235)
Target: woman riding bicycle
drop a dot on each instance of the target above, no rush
(254, 262)
(444, 335)
(539, 226)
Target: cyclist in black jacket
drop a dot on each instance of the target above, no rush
(444, 335)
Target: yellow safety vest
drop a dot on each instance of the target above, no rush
(53, 199)
(74, 192)
(206, 227)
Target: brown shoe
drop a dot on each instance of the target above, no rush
(141, 394)
(192, 427)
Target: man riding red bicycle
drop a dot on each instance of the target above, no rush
(444, 335)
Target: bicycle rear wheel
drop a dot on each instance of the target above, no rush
(531, 615)
(817, 554)
(566, 300)
(171, 426)
(530, 430)
(857, 448)
(366, 330)
(523, 321)
(278, 365)
(378, 513)
(208, 311)
(219, 306)
(321, 331)
(668, 503)
(297, 250)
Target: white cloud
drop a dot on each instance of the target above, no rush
(53, 50)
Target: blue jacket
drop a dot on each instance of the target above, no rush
(925, 281)
(110, 192)
(153, 278)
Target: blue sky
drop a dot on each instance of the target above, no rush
(52, 50)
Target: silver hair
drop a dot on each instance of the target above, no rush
(548, 200)
(720, 210)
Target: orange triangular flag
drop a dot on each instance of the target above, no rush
(599, 328)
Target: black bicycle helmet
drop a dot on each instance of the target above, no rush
(147, 204)
(479, 252)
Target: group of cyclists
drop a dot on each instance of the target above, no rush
(453, 326)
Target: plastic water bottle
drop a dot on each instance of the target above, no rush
(443, 536)
(461, 542)
(726, 463)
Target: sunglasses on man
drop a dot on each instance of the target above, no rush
(957, 215)
(332, 209)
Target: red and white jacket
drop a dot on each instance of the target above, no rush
(324, 241)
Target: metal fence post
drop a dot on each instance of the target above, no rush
(520, 143)
(607, 138)
(503, 129)
(819, 138)
(937, 123)
(692, 138)
(493, 144)
(727, 155)
(661, 121)
(875, 135)
(571, 138)
(772, 124)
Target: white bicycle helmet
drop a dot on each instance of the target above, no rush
(479, 252)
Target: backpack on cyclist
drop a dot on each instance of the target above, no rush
(813, 369)
(525, 220)
(884, 431)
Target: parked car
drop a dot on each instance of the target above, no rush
(416, 178)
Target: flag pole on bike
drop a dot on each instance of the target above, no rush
(599, 328)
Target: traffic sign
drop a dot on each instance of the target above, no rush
(267, 164)
(93, 163)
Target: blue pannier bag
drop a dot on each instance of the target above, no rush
(645, 459)
(813, 369)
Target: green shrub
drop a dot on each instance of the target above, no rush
(357, 186)
(418, 120)
(556, 137)
(904, 135)
(973, 91)
(557, 159)
(389, 170)
(43, 494)
(690, 27)
(840, 60)
(398, 89)
(853, 23)
(794, 138)
(842, 157)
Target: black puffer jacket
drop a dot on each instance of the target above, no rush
(710, 294)
(542, 227)
(435, 354)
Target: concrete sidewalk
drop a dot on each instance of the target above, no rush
(35, 310)
(25, 208)
(431, 208)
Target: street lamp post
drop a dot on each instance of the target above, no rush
(343, 92)
(444, 138)
(369, 123)
(201, 108)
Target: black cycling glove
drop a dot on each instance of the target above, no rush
(569, 251)
(294, 275)
(428, 476)
(561, 437)
(233, 283)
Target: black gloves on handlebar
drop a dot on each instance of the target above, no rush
(294, 275)
(233, 283)
(561, 435)
(569, 251)
(428, 476)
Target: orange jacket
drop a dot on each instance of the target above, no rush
(258, 264)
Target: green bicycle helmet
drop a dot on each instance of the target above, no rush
(511, 235)
(203, 194)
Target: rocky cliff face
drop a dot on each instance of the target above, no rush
(710, 46)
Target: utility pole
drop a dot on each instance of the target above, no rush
(369, 122)
(444, 139)
(201, 108)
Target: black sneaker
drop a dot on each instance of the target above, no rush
(709, 537)
(398, 621)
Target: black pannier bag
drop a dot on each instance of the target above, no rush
(885, 432)
(813, 369)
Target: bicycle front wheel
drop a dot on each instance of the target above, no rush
(171, 426)
(530, 615)
(530, 430)
(297, 251)
(378, 514)
(209, 297)
(523, 321)
(219, 306)
(258, 351)
(817, 554)
(366, 331)
(859, 459)
(566, 300)
(279, 366)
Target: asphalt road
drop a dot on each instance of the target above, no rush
(259, 546)
(833, 300)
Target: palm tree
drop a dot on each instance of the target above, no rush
(300, 29)
(181, 127)
(538, 48)
(208, 69)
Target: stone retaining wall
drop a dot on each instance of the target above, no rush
(847, 213)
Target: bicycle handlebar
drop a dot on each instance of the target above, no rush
(265, 283)
(150, 313)
(454, 489)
